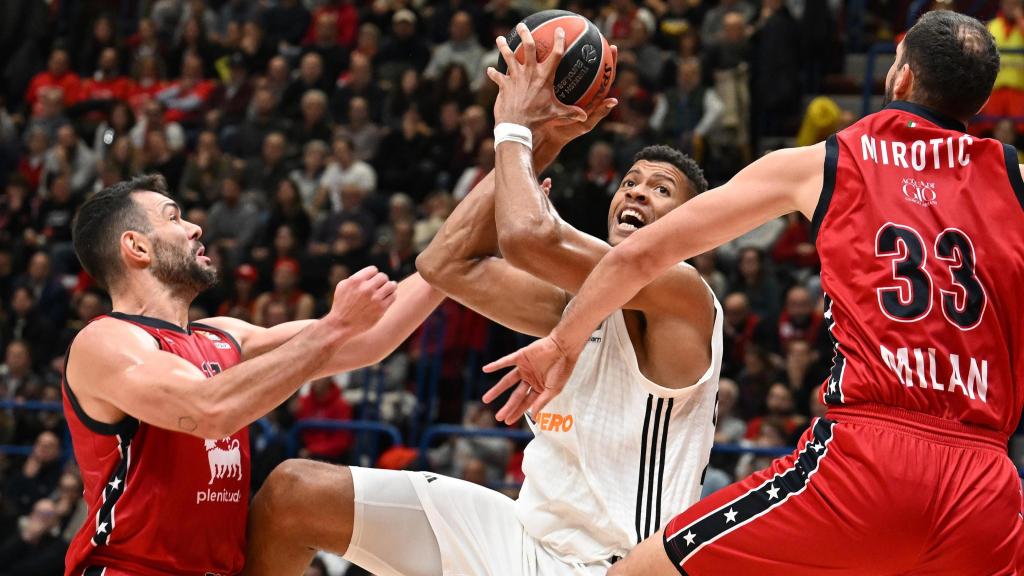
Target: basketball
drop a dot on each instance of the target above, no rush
(587, 70)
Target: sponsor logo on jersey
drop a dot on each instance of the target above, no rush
(222, 345)
(552, 422)
(225, 458)
(919, 192)
(596, 336)
(209, 335)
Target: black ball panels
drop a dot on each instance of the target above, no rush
(580, 70)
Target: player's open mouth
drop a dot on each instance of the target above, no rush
(631, 220)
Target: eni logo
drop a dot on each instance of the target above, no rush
(551, 422)
(589, 53)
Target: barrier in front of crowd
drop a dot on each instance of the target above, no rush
(875, 50)
(361, 450)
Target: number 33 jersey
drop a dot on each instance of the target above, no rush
(920, 228)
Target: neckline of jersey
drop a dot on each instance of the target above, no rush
(151, 322)
(928, 114)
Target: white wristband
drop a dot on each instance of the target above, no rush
(507, 131)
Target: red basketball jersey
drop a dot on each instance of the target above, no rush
(920, 228)
(161, 502)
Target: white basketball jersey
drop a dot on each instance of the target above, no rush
(616, 456)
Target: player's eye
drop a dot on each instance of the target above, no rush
(662, 190)
(628, 184)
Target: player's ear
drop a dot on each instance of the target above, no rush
(903, 85)
(136, 249)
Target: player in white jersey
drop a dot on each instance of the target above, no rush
(625, 444)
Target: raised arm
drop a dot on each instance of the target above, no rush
(116, 369)
(463, 261)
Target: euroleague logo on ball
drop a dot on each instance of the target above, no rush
(589, 53)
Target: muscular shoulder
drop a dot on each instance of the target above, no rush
(104, 344)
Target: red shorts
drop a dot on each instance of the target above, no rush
(883, 491)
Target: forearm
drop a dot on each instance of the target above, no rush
(523, 215)
(245, 392)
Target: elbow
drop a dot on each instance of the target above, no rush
(520, 243)
(435, 269)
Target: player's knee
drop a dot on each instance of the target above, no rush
(293, 484)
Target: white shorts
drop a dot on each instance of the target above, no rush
(425, 524)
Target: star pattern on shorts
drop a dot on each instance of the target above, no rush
(101, 528)
(818, 447)
(730, 516)
(689, 537)
(115, 484)
(832, 387)
(773, 491)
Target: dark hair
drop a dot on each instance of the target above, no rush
(955, 61)
(100, 222)
(685, 164)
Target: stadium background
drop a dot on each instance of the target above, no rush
(310, 138)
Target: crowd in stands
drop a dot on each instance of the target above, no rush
(310, 138)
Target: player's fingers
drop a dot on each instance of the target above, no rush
(506, 53)
(364, 274)
(569, 114)
(495, 76)
(509, 380)
(503, 362)
(528, 44)
(603, 110)
(557, 51)
(545, 186)
(377, 281)
(542, 400)
(515, 402)
(615, 54)
(387, 290)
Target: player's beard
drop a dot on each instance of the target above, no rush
(180, 269)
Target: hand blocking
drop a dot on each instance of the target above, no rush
(361, 299)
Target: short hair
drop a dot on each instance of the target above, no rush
(102, 220)
(955, 61)
(685, 164)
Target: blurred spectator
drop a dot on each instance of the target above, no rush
(409, 93)
(478, 459)
(804, 372)
(407, 163)
(37, 477)
(254, 46)
(158, 156)
(248, 141)
(287, 209)
(755, 278)
(106, 85)
(31, 164)
(799, 320)
(769, 436)
(475, 174)
(345, 172)
(57, 79)
(263, 174)
(233, 222)
(453, 85)
(324, 402)
(728, 428)
(278, 77)
(780, 412)
(308, 176)
(153, 118)
(617, 25)
(675, 19)
(204, 171)
(399, 258)
(145, 44)
(684, 115)
(343, 17)
(310, 77)
(118, 125)
(647, 58)
(17, 377)
(234, 97)
(297, 304)
(149, 81)
(191, 42)
(324, 43)
(186, 99)
(437, 206)
(241, 303)
(50, 296)
(741, 329)
(16, 212)
(357, 83)
(402, 49)
(361, 130)
(69, 504)
(705, 265)
(72, 158)
(25, 332)
(286, 23)
(461, 48)
(775, 66)
(715, 20)
(314, 123)
(1004, 132)
(1008, 92)
(99, 41)
(583, 199)
(36, 549)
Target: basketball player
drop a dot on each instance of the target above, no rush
(630, 442)
(920, 228)
(158, 406)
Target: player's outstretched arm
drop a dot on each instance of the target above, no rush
(462, 261)
(116, 369)
(782, 182)
(415, 299)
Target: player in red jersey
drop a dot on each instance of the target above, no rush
(158, 406)
(920, 229)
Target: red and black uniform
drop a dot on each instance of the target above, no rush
(920, 229)
(161, 503)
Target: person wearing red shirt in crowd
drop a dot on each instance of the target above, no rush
(324, 402)
(794, 247)
(781, 412)
(148, 82)
(799, 320)
(740, 328)
(186, 99)
(242, 301)
(107, 83)
(346, 22)
(57, 76)
(30, 165)
(286, 291)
